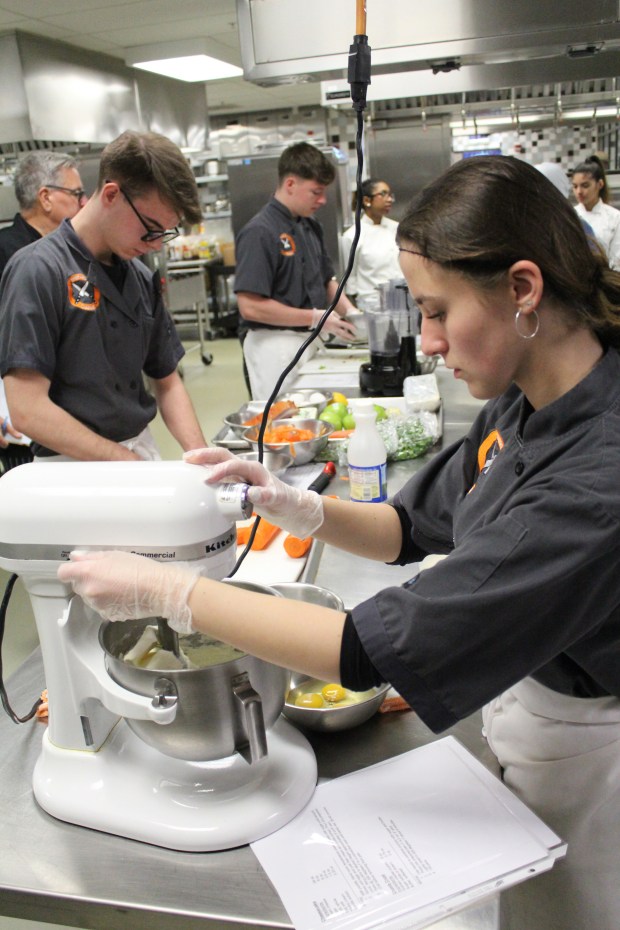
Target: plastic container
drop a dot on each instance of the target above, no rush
(367, 457)
(421, 392)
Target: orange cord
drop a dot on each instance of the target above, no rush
(360, 18)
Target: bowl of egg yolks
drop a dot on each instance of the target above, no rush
(327, 707)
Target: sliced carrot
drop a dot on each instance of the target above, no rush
(296, 547)
(42, 712)
(276, 410)
(265, 534)
(341, 433)
(288, 434)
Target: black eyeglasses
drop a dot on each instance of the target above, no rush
(151, 235)
(384, 194)
(77, 192)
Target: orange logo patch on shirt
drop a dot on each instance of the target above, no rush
(488, 451)
(288, 244)
(82, 293)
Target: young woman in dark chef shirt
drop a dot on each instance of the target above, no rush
(522, 616)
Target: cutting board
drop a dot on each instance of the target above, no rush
(331, 365)
(271, 565)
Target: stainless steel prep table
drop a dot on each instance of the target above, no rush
(60, 873)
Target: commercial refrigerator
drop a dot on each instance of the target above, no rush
(253, 179)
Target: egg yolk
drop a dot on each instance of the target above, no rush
(333, 693)
(310, 699)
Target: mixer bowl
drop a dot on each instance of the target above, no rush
(210, 721)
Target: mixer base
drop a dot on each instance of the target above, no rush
(132, 790)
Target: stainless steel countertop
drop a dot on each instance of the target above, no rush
(56, 872)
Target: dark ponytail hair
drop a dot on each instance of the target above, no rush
(368, 188)
(486, 213)
(594, 167)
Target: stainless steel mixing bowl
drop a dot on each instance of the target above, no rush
(331, 719)
(310, 593)
(304, 450)
(221, 708)
(275, 462)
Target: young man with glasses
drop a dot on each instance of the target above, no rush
(284, 279)
(376, 256)
(82, 320)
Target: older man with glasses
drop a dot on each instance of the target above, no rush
(82, 321)
(48, 189)
(38, 178)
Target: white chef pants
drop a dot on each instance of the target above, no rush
(267, 352)
(143, 445)
(561, 756)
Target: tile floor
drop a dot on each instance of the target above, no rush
(216, 390)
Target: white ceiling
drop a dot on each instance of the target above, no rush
(113, 26)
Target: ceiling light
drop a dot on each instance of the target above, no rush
(184, 61)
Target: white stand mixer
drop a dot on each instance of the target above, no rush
(93, 770)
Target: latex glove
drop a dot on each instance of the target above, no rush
(334, 324)
(123, 586)
(295, 510)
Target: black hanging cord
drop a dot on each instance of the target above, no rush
(3, 695)
(359, 78)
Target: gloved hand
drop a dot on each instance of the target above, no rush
(123, 586)
(297, 511)
(334, 324)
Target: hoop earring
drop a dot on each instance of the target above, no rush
(536, 328)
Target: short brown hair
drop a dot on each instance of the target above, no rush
(486, 213)
(307, 162)
(141, 161)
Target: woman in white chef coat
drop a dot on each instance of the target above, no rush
(592, 195)
(376, 256)
(522, 616)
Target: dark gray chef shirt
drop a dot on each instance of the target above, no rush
(527, 506)
(282, 257)
(62, 315)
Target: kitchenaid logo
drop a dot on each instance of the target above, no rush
(222, 543)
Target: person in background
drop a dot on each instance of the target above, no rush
(592, 195)
(521, 617)
(48, 189)
(558, 177)
(284, 278)
(82, 319)
(376, 255)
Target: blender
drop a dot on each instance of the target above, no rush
(194, 759)
(392, 341)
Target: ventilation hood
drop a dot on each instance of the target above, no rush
(523, 40)
(55, 93)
